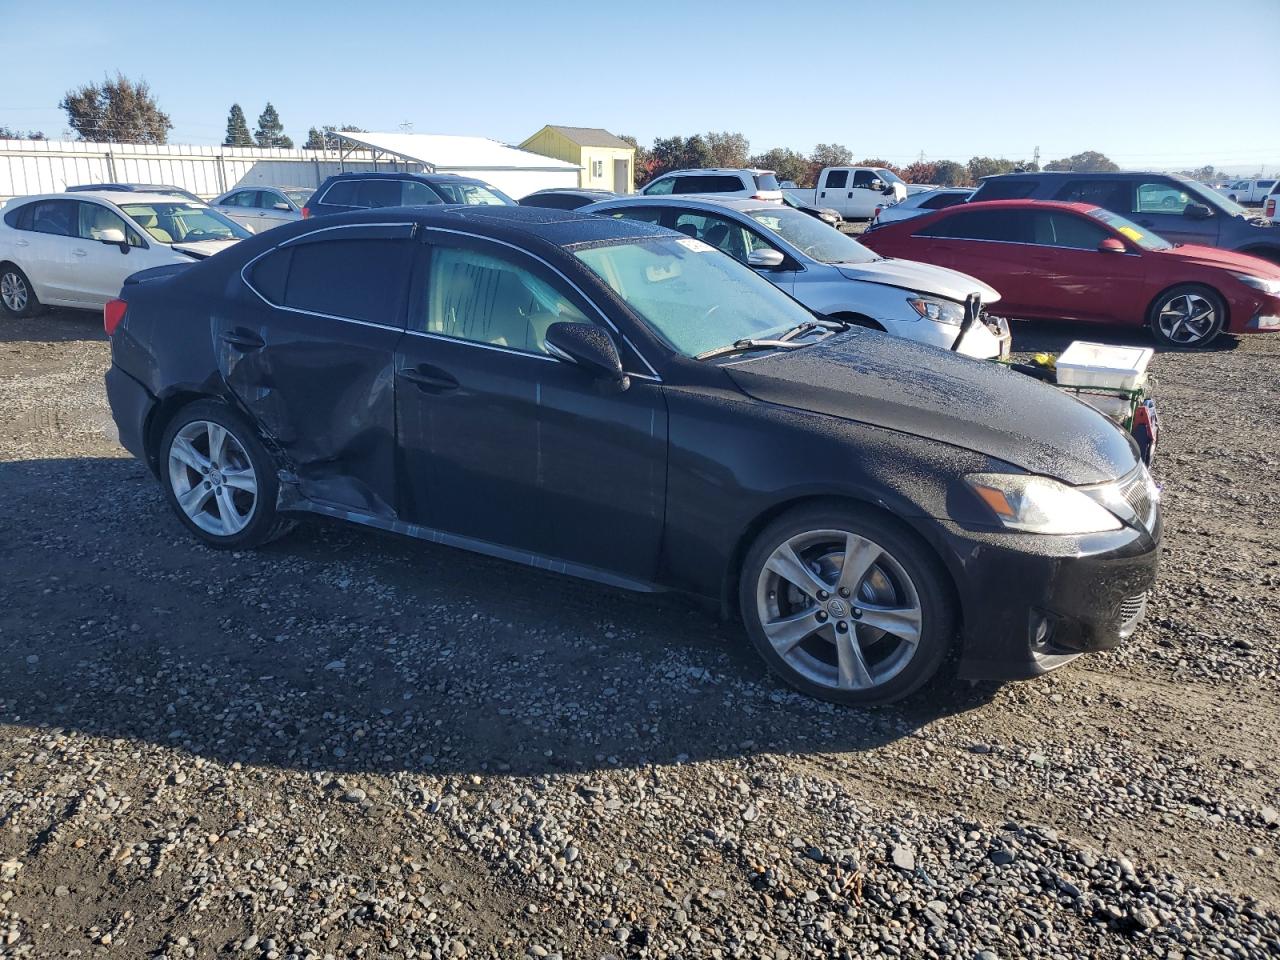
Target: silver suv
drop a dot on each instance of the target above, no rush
(746, 184)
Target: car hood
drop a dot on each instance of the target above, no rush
(1229, 259)
(920, 277)
(203, 248)
(979, 405)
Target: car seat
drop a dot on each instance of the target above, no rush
(688, 229)
(148, 221)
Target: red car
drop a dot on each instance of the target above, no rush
(1075, 261)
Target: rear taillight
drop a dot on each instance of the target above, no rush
(113, 315)
(1270, 210)
(306, 212)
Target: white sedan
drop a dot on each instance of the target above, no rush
(75, 251)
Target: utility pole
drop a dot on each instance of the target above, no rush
(1035, 157)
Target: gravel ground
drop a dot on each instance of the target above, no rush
(349, 744)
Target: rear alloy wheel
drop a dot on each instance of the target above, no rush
(846, 607)
(219, 478)
(16, 296)
(1187, 317)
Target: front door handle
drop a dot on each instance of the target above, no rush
(24, 243)
(430, 379)
(243, 340)
(80, 252)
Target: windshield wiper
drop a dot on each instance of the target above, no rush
(742, 346)
(808, 326)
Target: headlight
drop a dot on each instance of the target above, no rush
(1041, 505)
(1271, 287)
(939, 311)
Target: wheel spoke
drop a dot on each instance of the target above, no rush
(902, 622)
(860, 555)
(786, 632)
(217, 437)
(227, 511)
(853, 673)
(193, 500)
(182, 449)
(788, 565)
(241, 479)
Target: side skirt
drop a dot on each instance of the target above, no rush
(535, 560)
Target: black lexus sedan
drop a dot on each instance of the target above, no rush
(608, 399)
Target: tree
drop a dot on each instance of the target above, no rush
(270, 132)
(922, 171)
(8, 133)
(641, 165)
(322, 140)
(980, 167)
(828, 155)
(118, 111)
(677, 153)
(879, 164)
(237, 129)
(948, 173)
(1091, 161)
(787, 164)
(728, 149)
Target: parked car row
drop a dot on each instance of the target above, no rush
(607, 397)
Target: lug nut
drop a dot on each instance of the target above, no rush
(821, 617)
(841, 626)
(844, 591)
(857, 614)
(822, 594)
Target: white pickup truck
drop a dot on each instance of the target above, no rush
(1248, 191)
(853, 192)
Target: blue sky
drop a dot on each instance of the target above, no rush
(1151, 83)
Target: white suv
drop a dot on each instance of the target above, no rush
(746, 184)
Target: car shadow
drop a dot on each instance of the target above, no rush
(338, 649)
(1054, 336)
(55, 325)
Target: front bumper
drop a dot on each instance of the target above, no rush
(1032, 603)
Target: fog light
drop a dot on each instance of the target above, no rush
(1263, 322)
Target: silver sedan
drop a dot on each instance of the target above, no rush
(261, 208)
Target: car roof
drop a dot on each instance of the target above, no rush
(1017, 205)
(122, 187)
(593, 190)
(691, 170)
(1083, 175)
(107, 196)
(405, 175)
(694, 201)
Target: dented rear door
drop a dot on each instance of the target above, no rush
(312, 360)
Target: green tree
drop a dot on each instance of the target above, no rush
(880, 164)
(237, 129)
(787, 164)
(980, 167)
(641, 165)
(9, 133)
(728, 149)
(270, 132)
(948, 173)
(118, 111)
(321, 139)
(1091, 161)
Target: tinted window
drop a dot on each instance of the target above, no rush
(472, 194)
(837, 179)
(378, 193)
(1006, 189)
(20, 217)
(1066, 230)
(708, 183)
(489, 299)
(556, 201)
(767, 181)
(1112, 194)
(660, 187)
(341, 194)
(1158, 197)
(1266, 184)
(58, 217)
(414, 193)
(642, 214)
(360, 279)
(270, 274)
(941, 201)
(1010, 226)
(244, 198)
(863, 178)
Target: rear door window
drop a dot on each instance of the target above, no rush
(1004, 226)
(725, 235)
(1006, 189)
(341, 193)
(837, 179)
(1108, 194)
(378, 193)
(352, 279)
(57, 217)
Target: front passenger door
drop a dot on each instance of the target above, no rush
(506, 446)
(1160, 205)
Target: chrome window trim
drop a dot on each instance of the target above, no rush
(1023, 243)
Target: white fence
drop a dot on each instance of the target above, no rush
(50, 166)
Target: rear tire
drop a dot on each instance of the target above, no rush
(1187, 317)
(219, 478)
(846, 605)
(17, 296)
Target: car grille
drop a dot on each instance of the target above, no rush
(1140, 493)
(1131, 611)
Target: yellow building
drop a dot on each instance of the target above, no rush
(607, 162)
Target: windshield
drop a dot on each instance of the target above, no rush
(693, 297)
(811, 236)
(299, 197)
(183, 222)
(888, 176)
(472, 194)
(1215, 200)
(1147, 241)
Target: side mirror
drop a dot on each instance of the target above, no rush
(876, 184)
(281, 206)
(1111, 245)
(589, 347)
(114, 236)
(765, 259)
(1197, 211)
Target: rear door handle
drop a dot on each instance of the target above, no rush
(79, 252)
(430, 379)
(243, 340)
(24, 243)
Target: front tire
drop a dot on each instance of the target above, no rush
(846, 605)
(1187, 317)
(17, 296)
(219, 478)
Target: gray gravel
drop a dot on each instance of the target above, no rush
(353, 745)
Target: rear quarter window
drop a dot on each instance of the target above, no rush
(341, 194)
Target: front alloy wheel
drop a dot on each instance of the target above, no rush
(1187, 317)
(851, 611)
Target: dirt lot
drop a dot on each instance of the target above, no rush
(353, 745)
